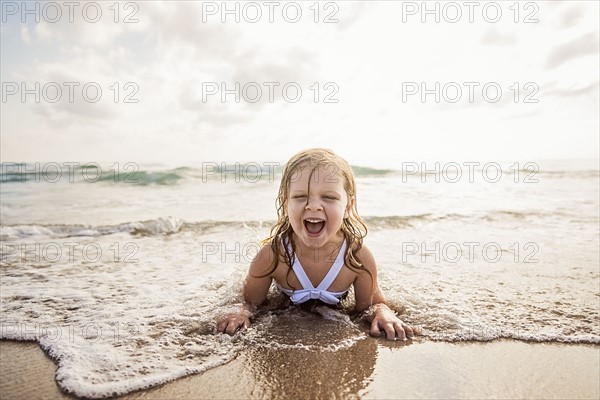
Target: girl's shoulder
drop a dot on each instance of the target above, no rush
(360, 248)
(262, 263)
(364, 255)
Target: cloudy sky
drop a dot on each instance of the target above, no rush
(511, 82)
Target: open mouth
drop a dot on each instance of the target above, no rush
(314, 226)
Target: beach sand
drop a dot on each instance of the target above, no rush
(371, 369)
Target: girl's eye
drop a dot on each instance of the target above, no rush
(329, 198)
(299, 197)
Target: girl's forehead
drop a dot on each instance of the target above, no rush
(326, 174)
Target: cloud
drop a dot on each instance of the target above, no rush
(64, 114)
(170, 52)
(25, 37)
(524, 115)
(550, 90)
(492, 37)
(293, 65)
(570, 17)
(582, 46)
(182, 25)
(351, 13)
(99, 35)
(211, 112)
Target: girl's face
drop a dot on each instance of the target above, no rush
(317, 216)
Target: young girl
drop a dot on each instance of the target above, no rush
(315, 251)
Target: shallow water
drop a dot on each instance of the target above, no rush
(122, 282)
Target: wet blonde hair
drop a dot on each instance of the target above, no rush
(353, 227)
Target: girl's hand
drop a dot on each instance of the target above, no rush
(231, 323)
(385, 320)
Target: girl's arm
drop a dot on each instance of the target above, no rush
(255, 291)
(369, 296)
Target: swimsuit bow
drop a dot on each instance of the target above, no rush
(302, 295)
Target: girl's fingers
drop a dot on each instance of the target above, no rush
(222, 325)
(375, 328)
(232, 327)
(399, 331)
(408, 330)
(390, 332)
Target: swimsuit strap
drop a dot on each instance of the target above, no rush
(335, 269)
(301, 274)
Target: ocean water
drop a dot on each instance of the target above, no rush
(121, 276)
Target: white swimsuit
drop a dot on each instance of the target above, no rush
(308, 291)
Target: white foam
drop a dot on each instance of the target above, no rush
(115, 326)
(159, 226)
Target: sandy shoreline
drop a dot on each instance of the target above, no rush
(373, 369)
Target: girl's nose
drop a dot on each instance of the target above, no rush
(313, 204)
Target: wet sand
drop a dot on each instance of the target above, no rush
(371, 369)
